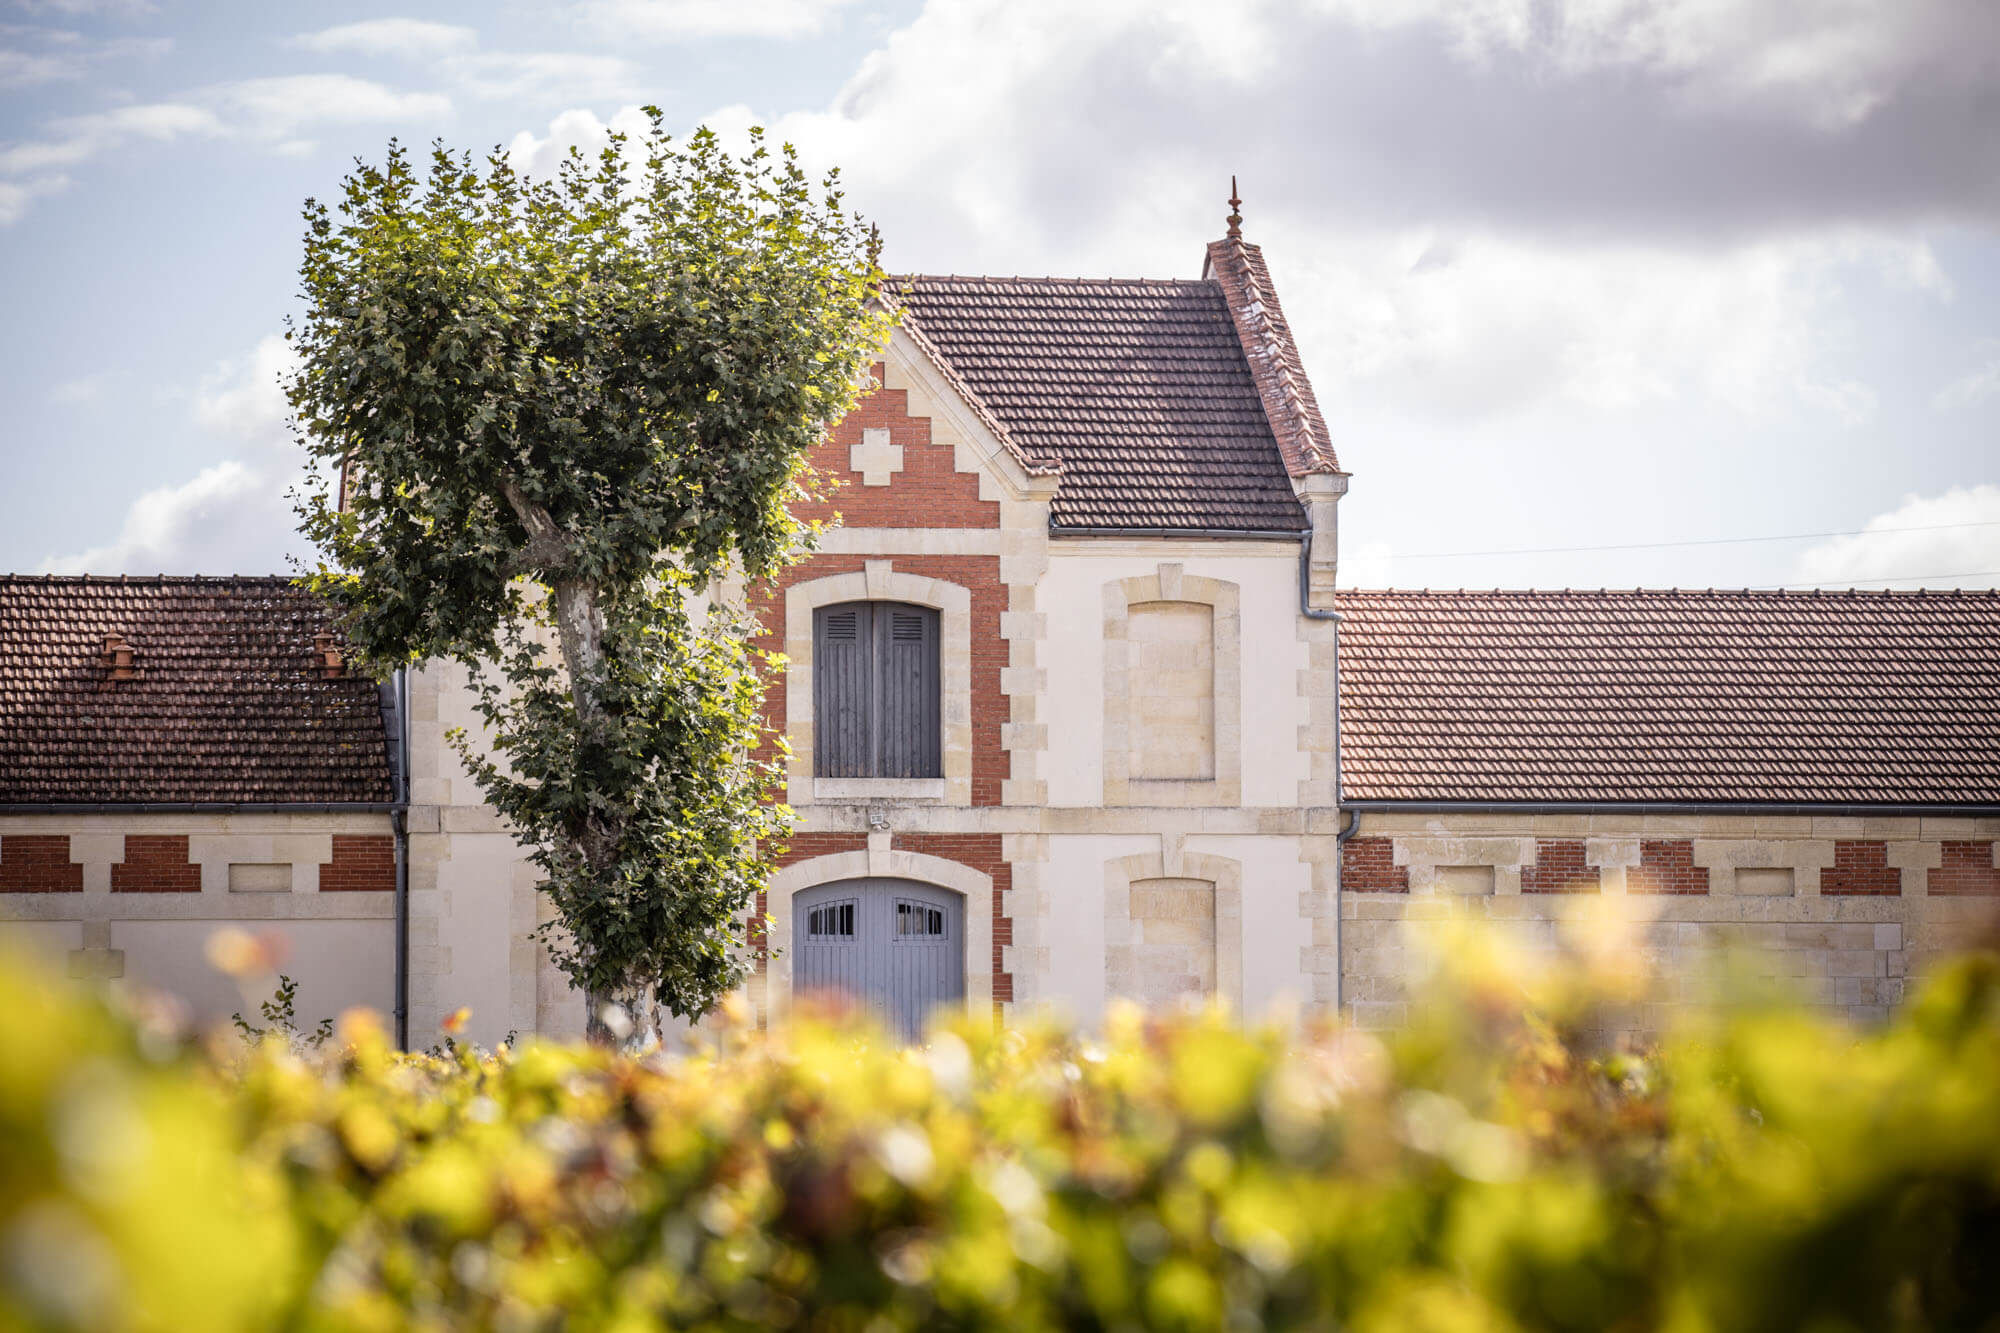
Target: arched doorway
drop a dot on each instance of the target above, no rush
(893, 945)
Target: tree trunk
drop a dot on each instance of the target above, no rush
(626, 1019)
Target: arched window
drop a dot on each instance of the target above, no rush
(875, 691)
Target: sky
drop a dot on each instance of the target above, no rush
(1699, 293)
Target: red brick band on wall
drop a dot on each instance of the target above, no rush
(1968, 868)
(992, 763)
(38, 863)
(156, 863)
(1368, 865)
(1666, 867)
(1559, 868)
(1860, 869)
(362, 863)
(980, 851)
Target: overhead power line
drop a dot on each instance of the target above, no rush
(1706, 541)
(1890, 578)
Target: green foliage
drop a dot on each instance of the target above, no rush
(279, 1012)
(1495, 1167)
(567, 407)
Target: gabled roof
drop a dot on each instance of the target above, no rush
(1607, 697)
(1139, 390)
(226, 704)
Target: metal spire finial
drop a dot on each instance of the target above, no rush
(1235, 211)
(874, 245)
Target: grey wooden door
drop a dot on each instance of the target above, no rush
(892, 945)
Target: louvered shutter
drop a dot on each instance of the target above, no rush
(843, 724)
(906, 692)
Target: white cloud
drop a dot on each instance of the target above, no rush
(278, 106)
(1925, 539)
(269, 112)
(77, 139)
(244, 398)
(678, 20)
(1830, 64)
(231, 517)
(411, 39)
(544, 76)
(36, 55)
(1976, 385)
(15, 196)
(198, 527)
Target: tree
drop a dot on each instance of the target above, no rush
(572, 410)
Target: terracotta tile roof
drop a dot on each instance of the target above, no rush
(1266, 337)
(226, 703)
(1862, 697)
(1139, 389)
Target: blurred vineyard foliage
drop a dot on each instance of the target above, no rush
(1503, 1164)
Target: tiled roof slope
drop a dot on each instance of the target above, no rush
(1266, 337)
(1864, 697)
(1139, 389)
(227, 704)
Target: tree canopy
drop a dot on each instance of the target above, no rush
(568, 412)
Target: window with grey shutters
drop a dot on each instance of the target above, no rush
(875, 691)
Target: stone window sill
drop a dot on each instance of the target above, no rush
(860, 791)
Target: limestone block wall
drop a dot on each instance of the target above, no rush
(134, 898)
(1841, 911)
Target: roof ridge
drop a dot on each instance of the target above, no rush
(1274, 358)
(145, 579)
(1046, 278)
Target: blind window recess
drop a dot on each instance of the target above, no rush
(831, 921)
(919, 921)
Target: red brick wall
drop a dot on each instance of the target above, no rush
(981, 851)
(1559, 868)
(1968, 868)
(38, 863)
(1666, 867)
(362, 863)
(1860, 868)
(929, 492)
(990, 707)
(1368, 865)
(155, 863)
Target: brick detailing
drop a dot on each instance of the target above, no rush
(1559, 868)
(1861, 868)
(1666, 867)
(362, 863)
(38, 863)
(1968, 868)
(1368, 865)
(155, 863)
(981, 851)
(929, 491)
(992, 764)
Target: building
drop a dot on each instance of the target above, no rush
(1076, 709)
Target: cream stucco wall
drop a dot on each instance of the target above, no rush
(1852, 953)
(339, 947)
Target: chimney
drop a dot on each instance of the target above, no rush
(116, 659)
(328, 653)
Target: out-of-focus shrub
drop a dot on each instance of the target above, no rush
(1498, 1166)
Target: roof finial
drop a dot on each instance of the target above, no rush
(874, 245)
(1235, 211)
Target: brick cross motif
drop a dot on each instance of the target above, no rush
(875, 458)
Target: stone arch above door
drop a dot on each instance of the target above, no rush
(881, 863)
